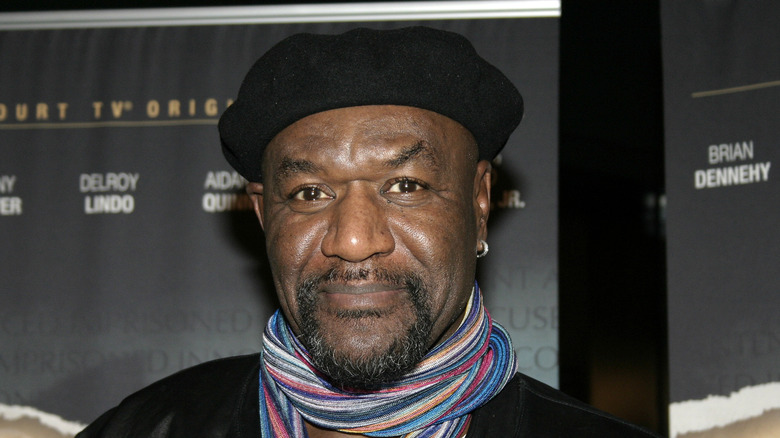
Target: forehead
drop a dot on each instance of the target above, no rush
(346, 133)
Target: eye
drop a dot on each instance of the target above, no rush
(405, 185)
(310, 193)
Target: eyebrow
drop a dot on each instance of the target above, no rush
(290, 166)
(421, 149)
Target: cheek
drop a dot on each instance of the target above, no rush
(291, 239)
(441, 234)
(291, 246)
(442, 242)
(440, 245)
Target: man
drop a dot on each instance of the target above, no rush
(368, 160)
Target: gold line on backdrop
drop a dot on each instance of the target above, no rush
(108, 124)
(739, 89)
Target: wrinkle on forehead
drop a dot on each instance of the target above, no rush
(440, 130)
(420, 149)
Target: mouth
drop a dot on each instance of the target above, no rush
(359, 293)
(359, 288)
(362, 296)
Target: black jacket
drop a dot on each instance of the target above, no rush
(219, 399)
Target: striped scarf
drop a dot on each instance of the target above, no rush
(433, 400)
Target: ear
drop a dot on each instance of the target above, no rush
(482, 185)
(255, 192)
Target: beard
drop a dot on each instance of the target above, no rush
(369, 371)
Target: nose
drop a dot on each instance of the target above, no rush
(358, 228)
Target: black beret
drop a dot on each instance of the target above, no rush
(420, 67)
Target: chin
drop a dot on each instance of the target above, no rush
(366, 355)
(365, 344)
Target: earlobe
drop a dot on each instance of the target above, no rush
(255, 192)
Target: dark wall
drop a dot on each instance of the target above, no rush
(612, 248)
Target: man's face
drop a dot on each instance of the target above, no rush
(372, 216)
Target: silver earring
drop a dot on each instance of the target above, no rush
(484, 251)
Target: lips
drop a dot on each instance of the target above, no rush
(359, 288)
(359, 292)
(362, 296)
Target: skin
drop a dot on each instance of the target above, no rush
(373, 187)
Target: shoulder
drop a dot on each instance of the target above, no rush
(530, 408)
(209, 398)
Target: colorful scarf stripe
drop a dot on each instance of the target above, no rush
(432, 401)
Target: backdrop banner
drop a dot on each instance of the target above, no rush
(129, 250)
(722, 100)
